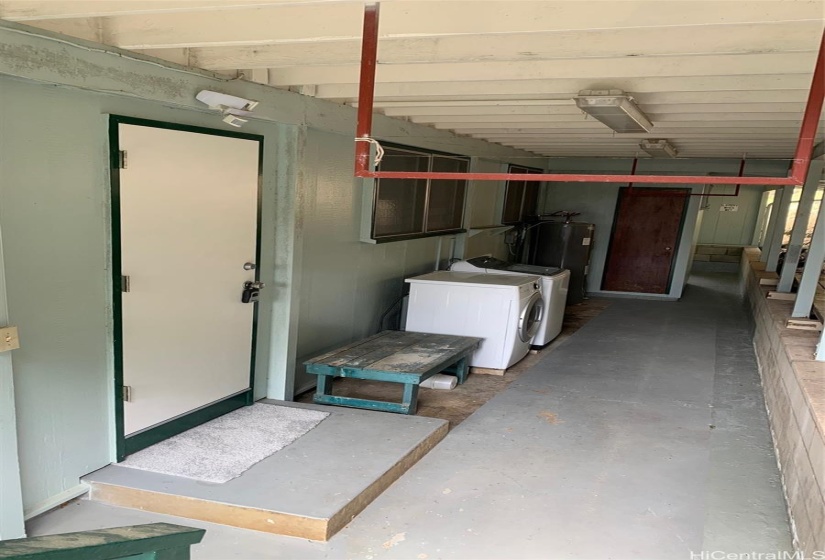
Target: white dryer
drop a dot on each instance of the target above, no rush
(503, 310)
(554, 286)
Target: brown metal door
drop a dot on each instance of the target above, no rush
(645, 234)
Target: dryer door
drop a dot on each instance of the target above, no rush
(530, 318)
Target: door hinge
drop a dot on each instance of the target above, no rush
(127, 393)
(121, 159)
(125, 284)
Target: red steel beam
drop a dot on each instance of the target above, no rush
(366, 91)
(813, 110)
(582, 178)
(366, 95)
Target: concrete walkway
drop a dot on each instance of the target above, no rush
(643, 436)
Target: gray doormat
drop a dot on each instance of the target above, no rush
(224, 448)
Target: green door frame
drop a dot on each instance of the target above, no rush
(150, 436)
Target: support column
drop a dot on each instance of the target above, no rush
(774, 245)
(800, 226)
(766, 241)
(11, 500)
(812, 270)
(820, 348)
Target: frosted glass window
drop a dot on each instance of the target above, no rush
(408, 208)
(446, 204)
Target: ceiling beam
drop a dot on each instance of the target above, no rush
(270, 50)
(464, 128)
(568, 108)
(36, 10)
(646, 99)
(566, 88)
(589, 68)
(788, 119)
(142, 24)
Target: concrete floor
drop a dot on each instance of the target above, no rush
(644, 435)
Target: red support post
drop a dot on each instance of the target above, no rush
(813, 111)
(632, 172)
(366, 91)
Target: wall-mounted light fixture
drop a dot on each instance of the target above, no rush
(614, 108)
(231, 106)
(658, 148)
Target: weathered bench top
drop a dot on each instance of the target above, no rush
(396, 351)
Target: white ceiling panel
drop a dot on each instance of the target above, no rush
(718, 78)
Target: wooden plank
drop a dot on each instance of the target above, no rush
(340, 349)
(9, 339)
(768, 281)
(487, 371)
(104, 544)
(213, 512)
(422, 363)
(366, 404)
(804, 324)
(357, 373)
(781, 296)
(372, 351)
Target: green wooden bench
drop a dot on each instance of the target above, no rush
(154, 541)
(395, 356)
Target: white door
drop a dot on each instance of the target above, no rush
(188, 219)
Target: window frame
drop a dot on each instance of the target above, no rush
(527, 171)
(426, 206)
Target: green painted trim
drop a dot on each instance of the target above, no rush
(154, 540)
(258, 234)
(120, 119)
(117, 291)
(126, 445)
(175, 426)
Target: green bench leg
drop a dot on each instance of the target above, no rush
(324, 385)
(410, 398)
(460, 369)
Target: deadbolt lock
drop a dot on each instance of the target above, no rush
(251, 291)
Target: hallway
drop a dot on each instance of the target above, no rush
(644, 435)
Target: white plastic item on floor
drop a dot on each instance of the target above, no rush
(440, 381)
(503, 310)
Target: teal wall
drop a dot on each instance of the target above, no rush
(597, 201)
(54, 102)
(345, 284)
(11, 500)
(731, 228)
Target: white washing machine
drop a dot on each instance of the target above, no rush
(554, 286)
(503, 310)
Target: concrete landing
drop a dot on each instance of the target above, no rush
(310, 489)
